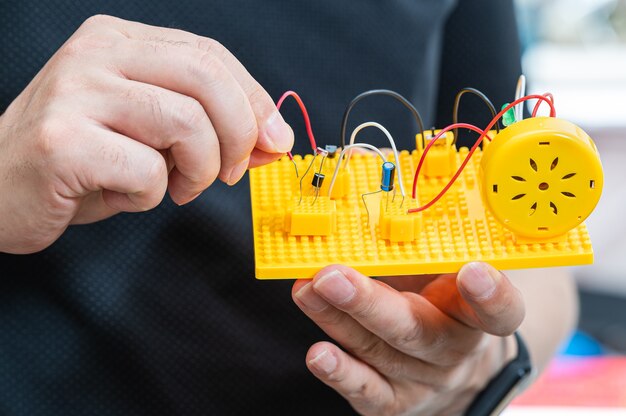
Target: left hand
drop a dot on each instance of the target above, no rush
(413, 344)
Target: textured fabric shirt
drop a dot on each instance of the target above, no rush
(159, 312)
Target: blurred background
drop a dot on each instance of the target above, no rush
(576, 49)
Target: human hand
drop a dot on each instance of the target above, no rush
(120, 114)
(421, 345)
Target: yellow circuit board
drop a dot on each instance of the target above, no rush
(456, 230)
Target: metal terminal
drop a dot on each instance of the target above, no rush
(388, 175)
(295, 165)
(303, 176)
(332, 150)
(365, 203)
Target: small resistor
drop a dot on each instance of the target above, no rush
(389, 172)
(318, 180)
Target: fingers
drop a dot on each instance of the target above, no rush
(260, 158)
(164, 120)
(480, 297)
(366, 390)
(131, 176)
(274, 135)
(405, 321)
(497, 307)
(204, 77)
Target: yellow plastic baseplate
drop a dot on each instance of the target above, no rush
(456, 230)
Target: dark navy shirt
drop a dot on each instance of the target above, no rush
(159, 312)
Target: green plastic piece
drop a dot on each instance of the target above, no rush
(509, 117)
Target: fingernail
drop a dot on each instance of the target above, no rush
(279, 133)
(310, 299)
(479, 279)
(335, 287)
(324, 362)
(237, 172)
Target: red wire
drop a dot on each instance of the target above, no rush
(483, 134)
(305, 114)
(547, 95)
(458, 172)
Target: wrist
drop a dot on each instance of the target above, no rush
(514, 375)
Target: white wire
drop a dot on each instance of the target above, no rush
(520, 91)
(363, 145)
(391, 141)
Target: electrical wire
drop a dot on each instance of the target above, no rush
(483, 134)
(305, 115)
(457, 100)
(389, 93)
(343, 151)
(391, 142)
(547, 95)
(520, 91)
(459, 170)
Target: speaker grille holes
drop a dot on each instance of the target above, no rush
(533, 165)
(569, 194)
(495, 188)
(554, 210)
(542, 228)
(544, 143)
(533, 208)
(554, 163)
(518, 178)
(592, 184)
(516, 197)
(569, 175)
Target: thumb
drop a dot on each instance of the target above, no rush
(496, 306)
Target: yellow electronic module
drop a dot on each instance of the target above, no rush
(520, 202)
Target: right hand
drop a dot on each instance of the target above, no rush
(120, 114)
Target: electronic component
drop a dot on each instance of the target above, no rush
(541, 177)
(519, 202)
(388, 175)
(318, 180)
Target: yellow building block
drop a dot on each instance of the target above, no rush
(441, 158)
(395, 224)
(456, 230)
(311, 216)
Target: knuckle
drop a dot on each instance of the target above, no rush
(189, 116)
(258, 95)
(155, 172)
(407, 335)
(373, 348)
(50, 135)
(330, 318)
(211, 69)
(368, 396)
(211, 46)
(98, 20)
(81, 44)
(366, 308)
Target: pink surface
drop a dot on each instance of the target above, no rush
(579, 381)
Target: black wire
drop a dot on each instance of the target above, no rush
(389, 93)
(482, 96)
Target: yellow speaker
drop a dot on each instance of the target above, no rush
(541, 177)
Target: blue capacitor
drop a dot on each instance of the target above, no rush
(389, 171)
